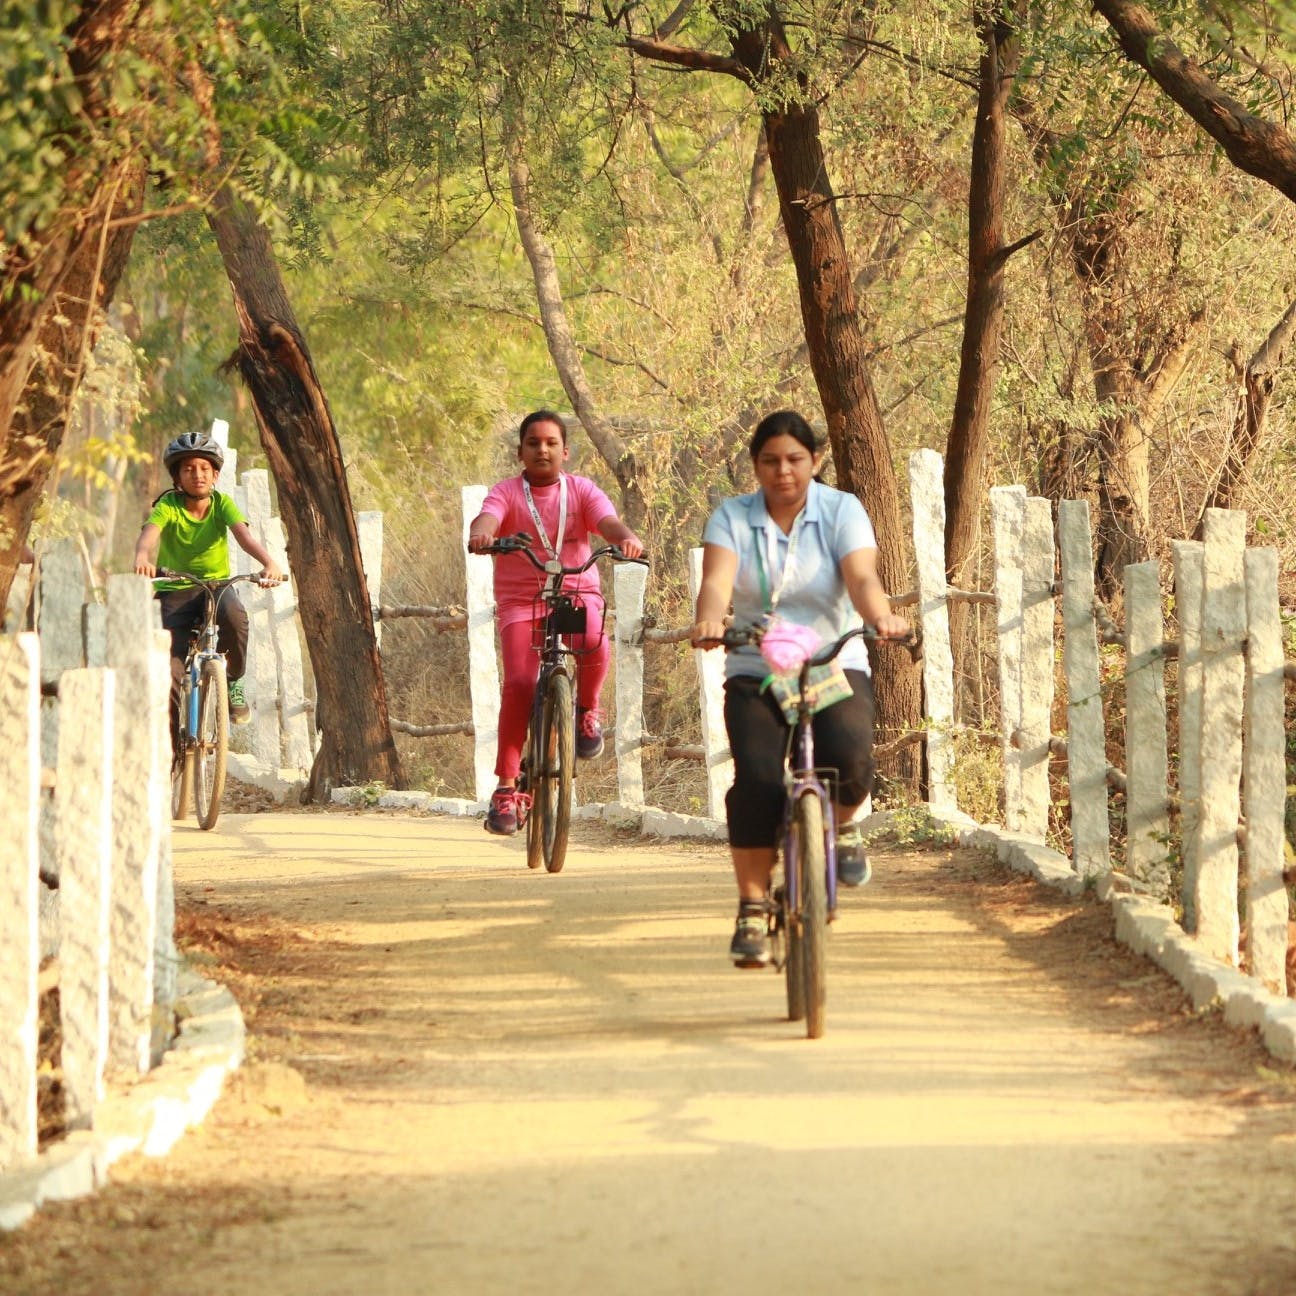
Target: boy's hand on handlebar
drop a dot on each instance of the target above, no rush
(145, 568)
(269, 575)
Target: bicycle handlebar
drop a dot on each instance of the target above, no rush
(521, 543)
(741, 636)
(167, 573)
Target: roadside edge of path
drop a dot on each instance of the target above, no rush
(149, 1116)
(1146, 926)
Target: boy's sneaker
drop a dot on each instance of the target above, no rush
(502, 817)
(853, 868)
(589, 733)
(750, 947)
(239, 710)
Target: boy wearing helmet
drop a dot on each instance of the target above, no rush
(186, 531)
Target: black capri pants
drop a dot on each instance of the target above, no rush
(758, 739)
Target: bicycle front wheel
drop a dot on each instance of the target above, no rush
(559, 759)
(213, 743)
(808, 827)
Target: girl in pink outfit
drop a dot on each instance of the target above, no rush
(558, 510)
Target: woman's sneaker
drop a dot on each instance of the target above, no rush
(853, 868)
(502, 817)
(589, 733)
(750, 947)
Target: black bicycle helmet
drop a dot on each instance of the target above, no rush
(192, 443)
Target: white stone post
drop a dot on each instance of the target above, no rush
(369, 529)
(1038, 612)
(1189, 567)
(483, 666)
(19, 869)
(228, 475)
(1147, 816)
(141, 815)
(926, 487)
(715, 741)
(1264, 775)
(261, 682)
(1008, 516)
(1223, 630)
(83, 841)
(59, 623)
(628, 583)
(296, 723)
(1086, 736)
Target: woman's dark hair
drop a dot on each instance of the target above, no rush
(783, 423)
(542, 416)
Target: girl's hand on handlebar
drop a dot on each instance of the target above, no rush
(631, 546)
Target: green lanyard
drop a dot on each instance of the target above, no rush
(771, 601)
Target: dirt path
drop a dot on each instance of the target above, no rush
(468, 1079)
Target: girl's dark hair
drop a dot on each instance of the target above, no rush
(542, 416)
(783, 423)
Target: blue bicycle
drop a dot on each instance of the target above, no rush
(200, 746)
(806, 901)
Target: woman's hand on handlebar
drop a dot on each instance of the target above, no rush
(892, 626)
(707, 634)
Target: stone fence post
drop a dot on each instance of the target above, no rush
(20, 767)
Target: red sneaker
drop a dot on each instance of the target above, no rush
(589, 733)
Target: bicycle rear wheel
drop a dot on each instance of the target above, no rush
(793, 957)
(213, 743)
(182, 780)
(559, 759)
(808, 827)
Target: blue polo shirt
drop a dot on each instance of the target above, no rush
(832, 525)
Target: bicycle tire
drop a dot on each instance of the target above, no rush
(213, 743)
(182, 780)
(793, 958)
(559, 758)
(808, 824)
(530, 781)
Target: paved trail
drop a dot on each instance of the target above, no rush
(468, 1079)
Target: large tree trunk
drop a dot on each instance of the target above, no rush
(56, 353)
(301, 444)
(48, 276)
(969, 435)
(837, 350)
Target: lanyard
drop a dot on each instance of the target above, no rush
(562, 515)
(771, 597)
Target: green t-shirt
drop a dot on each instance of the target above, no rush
(197, 545)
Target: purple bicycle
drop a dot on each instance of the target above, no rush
(806, 900)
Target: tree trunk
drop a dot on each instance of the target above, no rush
(64, 334)
(301, 444)
(1257, 379)
(965, 450)
(837, 350)
(562, 345)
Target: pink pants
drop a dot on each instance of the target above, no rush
(522, 669)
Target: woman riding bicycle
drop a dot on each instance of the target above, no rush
(808, 553)
(186, 531)
(558, 511)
